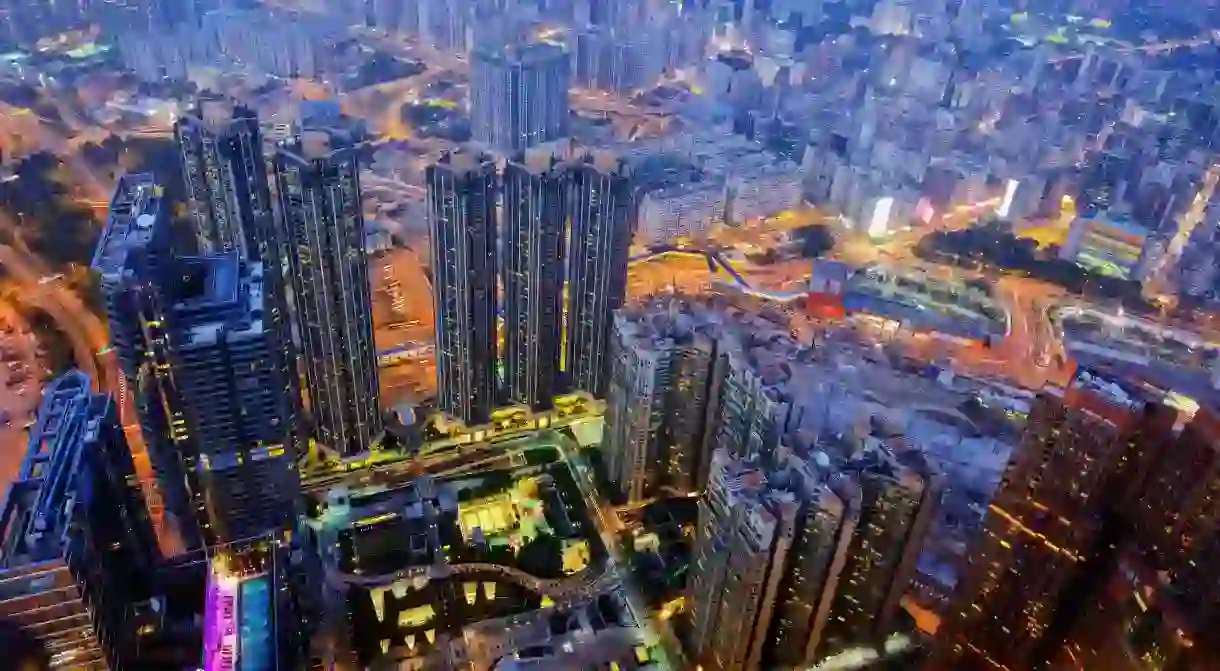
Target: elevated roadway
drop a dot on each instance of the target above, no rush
(456, 447)
(581, 585)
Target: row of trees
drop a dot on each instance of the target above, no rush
(993, 244)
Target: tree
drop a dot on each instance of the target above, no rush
(542, 557)
(816, 240)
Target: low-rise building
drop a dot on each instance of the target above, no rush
(688, 210)
(1110, 243)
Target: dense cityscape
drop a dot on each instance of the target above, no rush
(609, 334)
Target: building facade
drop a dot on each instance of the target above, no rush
(770, 545)
(461, 222)
(1050, 530)
(317, 178)
(634, 445)
(224, 165)
(603, 219)
(534, 225)
(519, 96)
(132, 256)
(225, 365)
(78, 547)
(194, 339)
(226, 178)
(666, 370)
(898, 500)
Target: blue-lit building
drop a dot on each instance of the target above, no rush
(192, 337)
(132, 255)
(225, 170)
(77, 547)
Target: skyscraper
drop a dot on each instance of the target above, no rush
(132, 254)
(78, 547)
(899, 495)
(603, 217)
(697, 371)
(461, 224)
(753, 412)
(829, 518)
(1050, 530)
(226, 179)
(519, 95)
(1155, 600)
(190, 332)
(634, 445)
(224, 363)
(318, 186)
(1176, 542)
(225, 168)
(769, 546)
(534, 223)
(666, 364)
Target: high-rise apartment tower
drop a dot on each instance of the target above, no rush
(534, 223)
(226, 178)
(462, 226)
(317, 176)
(192, 338)
(77, 549)
(603, 216)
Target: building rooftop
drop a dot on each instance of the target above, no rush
(219, 295)
(1118, 392)
(38, 506)
(521, 54)
(136, 211)
(464, 160)
(320, 143)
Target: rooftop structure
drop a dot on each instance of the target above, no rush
(246, 467)
(131, 225)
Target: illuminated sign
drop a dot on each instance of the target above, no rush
(220, 624)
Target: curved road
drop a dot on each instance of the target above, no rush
(82, 327)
